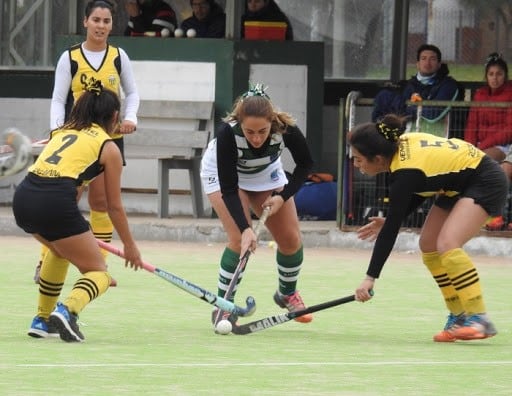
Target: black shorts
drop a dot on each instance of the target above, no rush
(48, 207)
(488, 188)
(120, 143)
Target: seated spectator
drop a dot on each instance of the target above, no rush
(265, 11)
(150, 18)
(490, 128)
(506, 165)
(208, 20)
(431, 82)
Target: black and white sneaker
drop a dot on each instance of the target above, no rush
(66, 323)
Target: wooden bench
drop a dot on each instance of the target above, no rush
(175, 134)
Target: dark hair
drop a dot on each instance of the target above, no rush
(428, 47)
(378, 138)
(93, 4)
(496, 59)
(94, 107)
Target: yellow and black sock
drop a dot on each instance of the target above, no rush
(228, 264)
(465, 280)
(101, 227)
(432, 261)
(288, 268)
(91, 285)
(52, 276)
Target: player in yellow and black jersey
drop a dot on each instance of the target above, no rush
(469, 187)
(95, 58)
(45, 205)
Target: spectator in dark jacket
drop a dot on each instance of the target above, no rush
(150, 18)
(208, 20)
(265, 11)
(431, 82)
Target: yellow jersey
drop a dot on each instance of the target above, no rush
(72, 154)
(108, 72)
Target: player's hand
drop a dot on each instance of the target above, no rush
(371, 230)
(249, 241)
(274, 202)
(364, 291)
(132, 257)
(126, 127)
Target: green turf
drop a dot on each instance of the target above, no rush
(146, 337)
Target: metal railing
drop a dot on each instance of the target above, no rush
(361, 196)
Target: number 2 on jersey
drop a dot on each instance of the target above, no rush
(68, 140)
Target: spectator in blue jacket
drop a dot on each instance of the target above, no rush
(431, 82)
(208, 20)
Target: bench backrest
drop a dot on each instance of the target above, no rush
(168, 129)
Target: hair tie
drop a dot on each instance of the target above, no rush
(493, 58)
(256, 90)
(94, 86)
(390, 134)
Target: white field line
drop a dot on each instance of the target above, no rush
(277, 364)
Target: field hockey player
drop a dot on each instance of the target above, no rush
(242, 172)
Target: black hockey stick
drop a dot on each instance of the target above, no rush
(275, 320)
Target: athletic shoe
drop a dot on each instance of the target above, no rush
(65, 322)
(37, 272)
(453, 322)
(475, 327)
(292, 303)
(495, 224)
(225, 316)
(41, 328)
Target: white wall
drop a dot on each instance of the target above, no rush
(288, 90)
(166, 80)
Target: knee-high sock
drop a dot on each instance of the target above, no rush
(288, 268)
(228, 264)
(102, 227)
(52, 276)
(44, 250)
(432, 261)
(465, 280)
(91, 285)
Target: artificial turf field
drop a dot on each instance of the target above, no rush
(147, 337)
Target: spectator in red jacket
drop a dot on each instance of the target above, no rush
(150, 18)
(490, 128)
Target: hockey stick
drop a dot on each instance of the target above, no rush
(190, 288)
(275, 320)
(352, 98)
(242, 264)
(19, 148)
